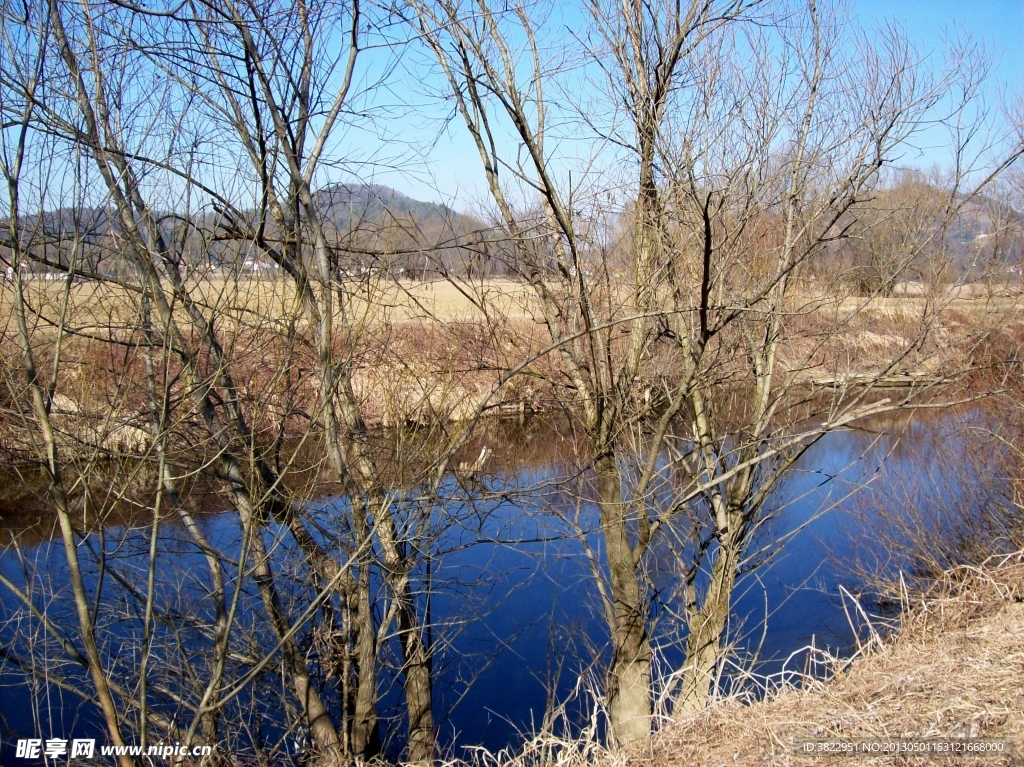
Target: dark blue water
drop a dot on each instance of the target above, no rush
(552, 631)
(515, 612)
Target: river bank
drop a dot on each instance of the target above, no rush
(429, 355)
(953, 671)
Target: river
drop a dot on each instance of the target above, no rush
(515, 613)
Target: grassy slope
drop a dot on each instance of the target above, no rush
(955, 669)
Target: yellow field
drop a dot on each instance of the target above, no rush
(250, 301)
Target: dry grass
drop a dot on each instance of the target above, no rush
(253, 300)
(954, 670)
(380, 299)
(428, 350)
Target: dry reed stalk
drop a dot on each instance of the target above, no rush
(953, 670)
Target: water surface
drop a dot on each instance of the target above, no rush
(515, 612)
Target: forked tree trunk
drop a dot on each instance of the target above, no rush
(707, 623)
(415, 653)
(316, 714)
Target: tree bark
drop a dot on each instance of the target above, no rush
(628, 695)
(707, 623)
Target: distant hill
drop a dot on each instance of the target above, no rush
(86, 222)
(369, 226)
(375, 227)
(360, 206)
(347, 207)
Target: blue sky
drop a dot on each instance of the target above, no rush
(450, 171)
(997, 23)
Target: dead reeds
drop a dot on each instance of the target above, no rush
(953, 670)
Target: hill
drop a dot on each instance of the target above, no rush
(350, 207)
(370, 226)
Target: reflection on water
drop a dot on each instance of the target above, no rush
(515, 613)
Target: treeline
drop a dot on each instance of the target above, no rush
(374, 229)
(370, 229)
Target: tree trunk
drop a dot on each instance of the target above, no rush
(316, 714)
(364, 741)
(628, 695)
(707, 623)
(415, 654)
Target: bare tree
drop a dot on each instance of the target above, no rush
(900, 235)
(265, 84)
(678, 231)
(173, 319)
(749, 151)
